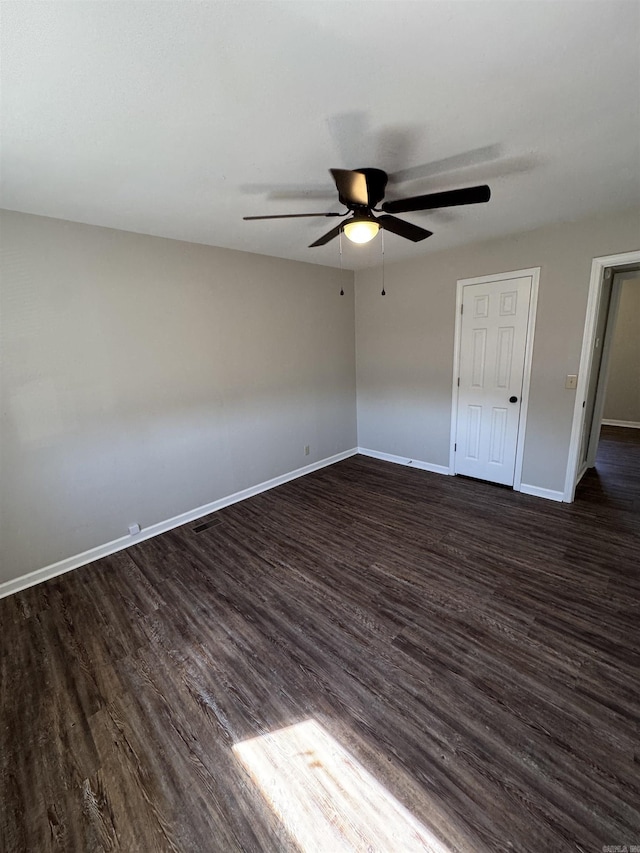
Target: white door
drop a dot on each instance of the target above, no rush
(591, 430)
(493, 338)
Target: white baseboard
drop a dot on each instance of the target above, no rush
(538, 492)
(627, 424)
(67, 565)
(404, 460)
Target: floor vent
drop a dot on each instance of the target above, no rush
(199, 528)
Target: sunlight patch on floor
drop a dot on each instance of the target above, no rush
(326, 799)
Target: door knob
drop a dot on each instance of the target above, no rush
(513, 399)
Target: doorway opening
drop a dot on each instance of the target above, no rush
(609, 342)
(614, 481)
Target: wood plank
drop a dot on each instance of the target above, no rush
(474, 649)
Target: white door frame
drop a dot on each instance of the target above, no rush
(534, 274)
(601, 388)
(598, 267)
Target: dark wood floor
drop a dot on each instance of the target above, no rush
(475, 649)
(615, 480)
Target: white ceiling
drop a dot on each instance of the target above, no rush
(178, 118)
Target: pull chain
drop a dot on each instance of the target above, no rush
(384, 292)
(340, 241)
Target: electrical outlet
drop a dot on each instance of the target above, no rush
(572, 381)
(306, 450)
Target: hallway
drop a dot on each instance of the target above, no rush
(615, 480)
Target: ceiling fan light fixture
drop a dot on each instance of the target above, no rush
(361, 229)
(360, 190)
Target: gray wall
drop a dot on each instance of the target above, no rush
(142, 378)
(622, 402)
(404, 340)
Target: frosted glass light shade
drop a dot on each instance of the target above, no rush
(361, 230)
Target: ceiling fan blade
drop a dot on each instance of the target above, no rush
(326, 237)
(352, 186)
(474, 158)
(432, 201)
(404, 229)
(292, 215)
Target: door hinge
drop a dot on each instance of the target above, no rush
(458, 381)
(461, 308)
(455, 447)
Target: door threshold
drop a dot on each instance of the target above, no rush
(488, 482)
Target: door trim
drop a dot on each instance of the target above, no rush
(598, 267)
(534, 274)
(605, 360)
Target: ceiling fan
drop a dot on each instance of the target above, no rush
(360, 190)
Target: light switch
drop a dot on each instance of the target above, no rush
(572, 381)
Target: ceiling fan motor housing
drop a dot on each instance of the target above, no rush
(376, 185)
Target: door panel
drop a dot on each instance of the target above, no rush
(474, 414)
(479, 357)
(499, 420)
(492, 352)
(504, 360)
